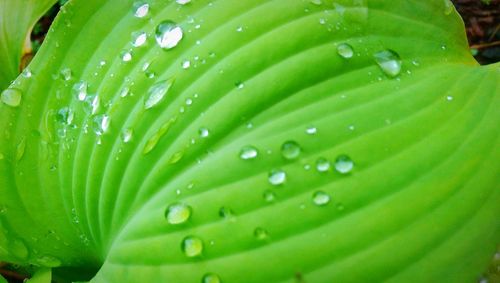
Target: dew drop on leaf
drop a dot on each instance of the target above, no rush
(226, 212)
(140, 9)
(345, 51)
(186, 64)
(316, 2)
(155, 138)
(239, 85)
(27, 73)
(311, 130)
(344, 164)
(12, 97)
(100, 124)
(249, 152)
(389, 61)
(66, 74)
(176, 157)
(260, 234)
(127, 135)
(65, 115)
(126, 56)
(80, 90)
(157, 92)
(48, 261)
(168, 34)
(322, 164)
(125, 92)
(178, 213)
(192, 246)
(20, 149)
(290, 150)
(211, 278)
(269, 196)
(321, 198)
(277, 177)
(203, 132)
(183, 2)
(92, 103)
(139, 38)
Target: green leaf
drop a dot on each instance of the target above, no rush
(43, 275)
(17, 18)
(3, 280)
(301, 141)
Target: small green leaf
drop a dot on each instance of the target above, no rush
(17, 18)
(42, 275)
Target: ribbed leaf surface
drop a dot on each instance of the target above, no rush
(236, 144)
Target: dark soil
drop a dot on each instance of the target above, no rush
(482, 21)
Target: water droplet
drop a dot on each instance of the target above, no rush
(290, 150)
(449, 98)
(239, 85)
(316, 2)
(48, 261)
(260, 233)
(311, 130)
(92, 103)
(66, 74)
(27, 73)
(65, 115)
(127, 135)
(211, 278)
(141, 9)
(80, 90)
(12, 97)
(239, 29)
(178, 213)
(249, 152)
(448, 7)
(269, 196)
(139, 38)
(226, 212)
(20, 149)
(322, 164)
(389, 61)
(344, 164)
(126, 56)
(345, 51)
(186, 64)
(183, 2)
(176, 157)
(100, 124)
(157, 92)
(168, 34)
(203, 132)
(153, 141)
(189, 101)
(74, 216)
(124, 92)
(277, 177)
(192, 246)
(321, 198)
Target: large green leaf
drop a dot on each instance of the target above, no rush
(17, 18)
(89, 187)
